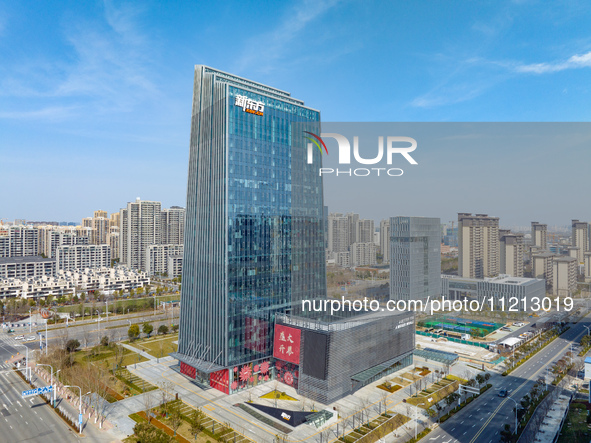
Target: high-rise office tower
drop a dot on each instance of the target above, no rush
(539, 234)
(478, 245)
(173, 225)
(254, 237)
(140, 227)
(385, 240)
(415, 258)
(511, 254)
(580, 239)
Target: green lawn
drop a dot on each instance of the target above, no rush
(159, 345)
(575, 429)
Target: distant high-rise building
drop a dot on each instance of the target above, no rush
(18, 241)
(352, 228)
(157, 258)
(100, 225)
(325, 218)
(113, 239)
(385, 240)
(539, 233)
(173, 225)
(76, 257)
(511, 254)
(140, 227)
(338, 233)
(116, 219)
(587, 267)
(478, 245)
(580, 239)
(363, 254)
(415, 258)
(364, 231)
(542, 266)
(565, 276)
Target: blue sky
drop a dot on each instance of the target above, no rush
(95, 97)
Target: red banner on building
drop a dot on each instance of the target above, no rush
(286, 345)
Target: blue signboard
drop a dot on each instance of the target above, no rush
(43, 390)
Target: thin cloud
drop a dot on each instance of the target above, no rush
(49, 113)
(574, 62)
(265, 51)
(106, 70)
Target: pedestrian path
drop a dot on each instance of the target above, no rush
(138, 351)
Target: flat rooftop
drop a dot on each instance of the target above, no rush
(28, 259)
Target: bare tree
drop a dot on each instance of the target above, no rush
(148, 405)
(383, 402)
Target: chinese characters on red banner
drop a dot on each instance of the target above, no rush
(287, 344)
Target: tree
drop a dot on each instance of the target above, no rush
(163, 329)
(105, 341)
(133, 332)
(148, 405)
(196, 422)
(174, 416)
(72, 345)
(147, 328)
(175, 328)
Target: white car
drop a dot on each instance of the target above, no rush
(31, 338)
(19, 337)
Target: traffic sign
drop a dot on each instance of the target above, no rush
(43, 390)
(80, 418)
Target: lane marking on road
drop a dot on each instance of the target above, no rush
(517, 389)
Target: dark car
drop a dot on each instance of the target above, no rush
(503, 393)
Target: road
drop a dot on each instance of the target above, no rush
(88, 333)
(483, 419)
(29, 419)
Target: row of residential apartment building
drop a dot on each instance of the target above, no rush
(126, 235)
(118, 278)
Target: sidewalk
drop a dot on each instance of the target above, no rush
(69, 403)
(139, 351)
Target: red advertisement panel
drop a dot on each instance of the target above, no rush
(287, 344)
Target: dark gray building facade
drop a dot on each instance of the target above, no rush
(338, 357)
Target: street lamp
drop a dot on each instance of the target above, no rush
(27, 362)
(509, 398)
(52, 387)
(30, 321)
(79, 407)
(588, 328)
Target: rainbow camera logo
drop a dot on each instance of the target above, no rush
(315, 140)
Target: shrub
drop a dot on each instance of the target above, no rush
(72, 345)
(145, 432)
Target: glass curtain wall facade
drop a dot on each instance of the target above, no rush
(415, 258)
(254, 235)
